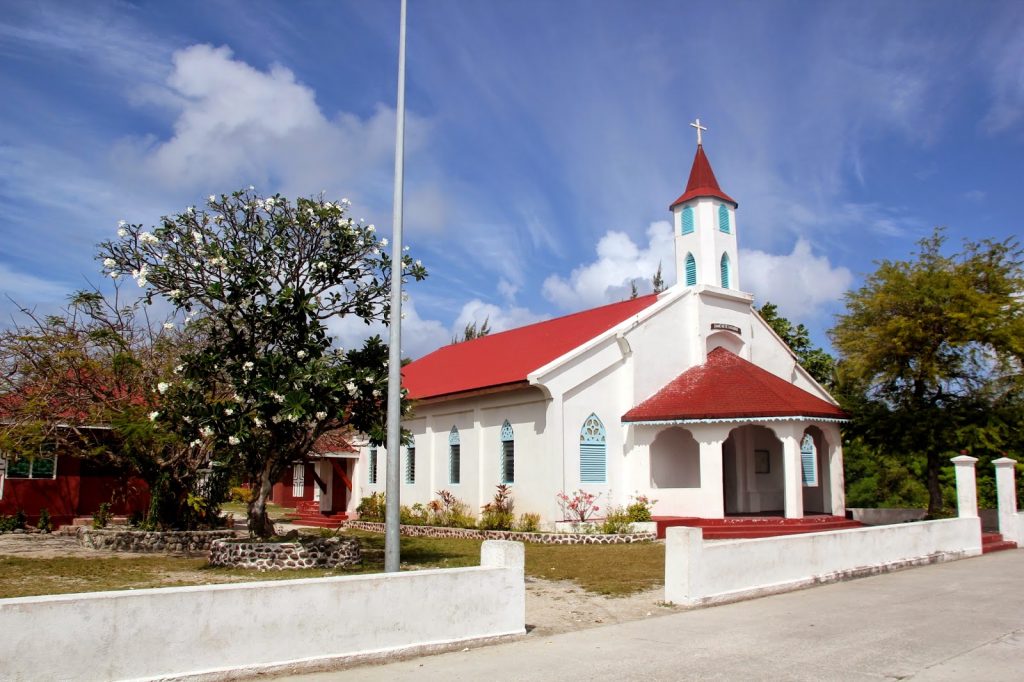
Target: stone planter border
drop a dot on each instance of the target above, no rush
(278, 556)
(150, 541)
(537, 538)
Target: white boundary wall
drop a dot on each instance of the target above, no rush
(228, 631)
(698, 573)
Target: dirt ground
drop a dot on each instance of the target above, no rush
(551, 606)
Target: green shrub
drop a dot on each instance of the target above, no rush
(415, 515)
(640, 509)
(101, 519)
(616, 522)
(241, 494)
(44, 524)
(7, 523)
(528, 523)
(449, 511)
(20, 519)
(372, 508)
(498, 514)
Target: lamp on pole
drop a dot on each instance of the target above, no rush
(392, 556)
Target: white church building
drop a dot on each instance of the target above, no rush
(686, 396)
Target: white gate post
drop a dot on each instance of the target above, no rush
(1006, 494)
(966, 488)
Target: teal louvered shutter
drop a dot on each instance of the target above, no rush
(372, 466)
(723, 218)
(808, 461)
(508, 454)
(593, 451)
(687, 220)
(410, 464)
(454, 457)
(725, 271)
(691, 270)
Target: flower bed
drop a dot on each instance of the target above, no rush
(538, 538)
(150, 541)
(277, 556)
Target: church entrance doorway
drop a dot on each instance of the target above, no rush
(752, 471)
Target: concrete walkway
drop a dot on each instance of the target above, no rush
(958, 621)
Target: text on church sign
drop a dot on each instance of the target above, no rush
(727, 327)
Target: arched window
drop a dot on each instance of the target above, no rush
(410, 464)
(593, 449)
(725, 271)
(508, 454)
(691, 270)
(687, 220)
(723, 218)
(454, 457)
(809, 461)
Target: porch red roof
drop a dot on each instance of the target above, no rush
(508, 357)
(725, 387)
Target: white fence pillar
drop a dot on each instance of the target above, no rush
(1006, 494)
(966, 487)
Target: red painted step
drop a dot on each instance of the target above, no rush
(735, 527)
(994, 542)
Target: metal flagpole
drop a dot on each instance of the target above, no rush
(392, 556)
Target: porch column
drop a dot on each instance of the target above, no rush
(966, 487)
(711, 481)
(792, 473)
(835, 472)
(325, 473)
(1006, 493)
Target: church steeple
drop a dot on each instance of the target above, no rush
(705, 227)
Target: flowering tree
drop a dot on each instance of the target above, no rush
(260, 277)
(578, 507)
(71, 383)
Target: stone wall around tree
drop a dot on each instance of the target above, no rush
(279, 556)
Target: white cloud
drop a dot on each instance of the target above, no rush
(419, 336)
(799, 283)
(1005, 71)
(498, 318)
(619, 261)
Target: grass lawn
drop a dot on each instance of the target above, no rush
(605, 569)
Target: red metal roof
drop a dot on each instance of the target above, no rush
(336, 441)
(725, 387)
(702, 182)
(508, 357)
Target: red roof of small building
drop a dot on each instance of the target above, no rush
(508, 357)
(702, 182)
(331, 442)
(729, 387)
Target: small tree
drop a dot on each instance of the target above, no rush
(77, 383)
(658, 282)
(261, 277)
(473, 332)
(818, 362)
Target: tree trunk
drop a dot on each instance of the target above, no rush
(260, 524)
(934, 487)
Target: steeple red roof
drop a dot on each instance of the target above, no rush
(702, 182)
(729, 387)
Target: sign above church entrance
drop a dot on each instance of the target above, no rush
(727, 327)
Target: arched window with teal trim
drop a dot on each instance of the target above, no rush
(687, 220)
(454, 457)
(691, 270)
(723, 218)
(726, 271)
(809, 461)
(508, 454)
(593, 451)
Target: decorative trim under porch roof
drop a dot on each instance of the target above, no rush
(737, 420)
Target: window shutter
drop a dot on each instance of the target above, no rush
(410, 464)
(454, 457)
(593, 452)
(688, 220)
(808, 462)
(691, 270)
(725, 271)
(508, 454)
(372, 467)
(723, 218)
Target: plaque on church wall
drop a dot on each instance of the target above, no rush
(727, 327)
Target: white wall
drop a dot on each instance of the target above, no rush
(699, 573)
(251, 627)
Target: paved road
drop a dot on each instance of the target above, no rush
(958, 621)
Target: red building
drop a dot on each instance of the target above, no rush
(320, 489)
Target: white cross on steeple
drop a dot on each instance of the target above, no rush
(696, 124)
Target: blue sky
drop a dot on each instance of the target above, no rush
(545, 140)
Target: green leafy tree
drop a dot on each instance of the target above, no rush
(818, 362)
(473, 332)
(931, 352)
(261, 277)
(76, 383)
